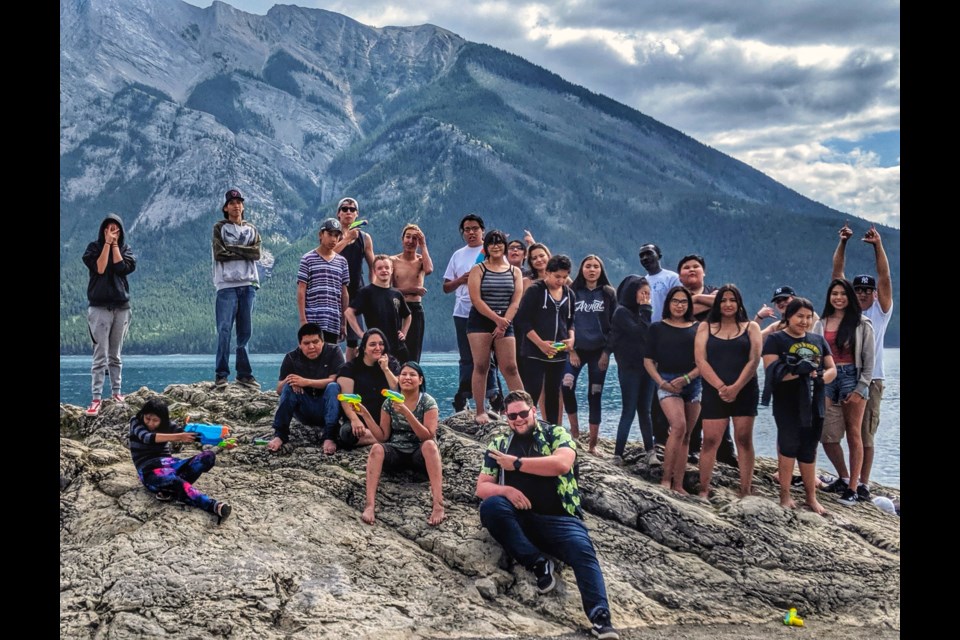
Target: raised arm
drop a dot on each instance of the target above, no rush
(839, 254)
(884, 282)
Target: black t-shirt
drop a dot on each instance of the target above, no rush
(540, 490)
(323, 366)
(368, 382)
(812, 347)
(672, 347)
(383, 308)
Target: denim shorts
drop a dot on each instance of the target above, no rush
(690, 393)
(843, 385)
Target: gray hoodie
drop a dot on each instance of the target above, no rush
(236, 249)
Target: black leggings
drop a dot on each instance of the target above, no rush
(539, 376)
(595, 380)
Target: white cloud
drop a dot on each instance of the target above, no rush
(766, 82)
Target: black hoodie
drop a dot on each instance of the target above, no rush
(629, 328)
(109, 289)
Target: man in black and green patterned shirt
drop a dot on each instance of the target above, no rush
(531, 506)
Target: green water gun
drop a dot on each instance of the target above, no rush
(396, 396)
(559, 346)
(352, 398)
(356, 224)
(791, 619)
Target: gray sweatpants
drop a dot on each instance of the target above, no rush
(108, 328)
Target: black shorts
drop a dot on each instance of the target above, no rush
(713, 408)
(798, 442)
(479, 323)
(395, 460)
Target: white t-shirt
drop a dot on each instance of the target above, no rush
(660, 284)
(879, 320)
(460, 263)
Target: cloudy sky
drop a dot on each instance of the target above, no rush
(807, 91)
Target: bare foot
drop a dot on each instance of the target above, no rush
(481, 418)
(593, 451)
(704, 494)
(816, 507)
(575, 434)
(367, 515)
(274, 444)
(437, 516)
(666, 485)
(788, 503)
(746, 492)
(679, 489)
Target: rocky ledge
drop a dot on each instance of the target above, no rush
(294, 559)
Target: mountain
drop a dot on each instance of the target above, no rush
(164, 106)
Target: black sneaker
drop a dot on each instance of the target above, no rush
(163, 496)
(796, 481)
(693, 458)
(221, 381)
(249, 382)
(222, 510)
(601, 627)
(863, 493)
(849, 497)
(459, 402)
(543, 570)
(496, 403)
(837, 486)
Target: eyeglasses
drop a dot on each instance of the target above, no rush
(519, 414)
(862, 290)
(348, 209)
(472, 229)
(517, 248)
(681, 302)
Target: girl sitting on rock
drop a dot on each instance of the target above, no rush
(167, 477)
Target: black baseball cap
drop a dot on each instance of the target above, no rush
(864, 282)
(783, 292)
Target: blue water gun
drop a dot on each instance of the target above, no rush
(213, 434)
(559, 346)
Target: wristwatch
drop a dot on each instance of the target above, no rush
(517, 463)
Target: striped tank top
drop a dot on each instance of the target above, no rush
(496, 289)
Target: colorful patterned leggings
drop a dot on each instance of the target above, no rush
(176, 476)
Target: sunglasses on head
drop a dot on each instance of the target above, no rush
(350, 209)
(519, 414)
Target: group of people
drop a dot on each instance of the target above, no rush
(524, 312)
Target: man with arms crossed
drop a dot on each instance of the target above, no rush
(409, 269)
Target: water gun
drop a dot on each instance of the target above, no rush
(356, 224)
(791, 619)
(216, 434)
(559, 346)
(352, 398)
(396, 396)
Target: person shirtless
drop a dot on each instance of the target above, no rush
(409, 269)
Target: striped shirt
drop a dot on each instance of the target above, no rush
(324, 280)
(496, 289)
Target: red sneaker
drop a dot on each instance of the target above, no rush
(119, 398)
(94, 409)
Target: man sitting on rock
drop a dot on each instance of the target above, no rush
(307, 388)
(531, 506)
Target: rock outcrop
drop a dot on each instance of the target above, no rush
(294, 559)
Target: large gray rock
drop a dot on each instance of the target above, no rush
(294, 559)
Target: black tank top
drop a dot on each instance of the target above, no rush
(728, 357)
(496, 288)
(353, 253)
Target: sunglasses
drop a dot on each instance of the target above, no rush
(519, 414)
(350, 209)
(862, 290)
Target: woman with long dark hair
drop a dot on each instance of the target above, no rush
(495, 288)
(850, 336)
(797, 363)
(592, 316)
(727, 352)
(628, 343)
(671, 365)
(372, 370)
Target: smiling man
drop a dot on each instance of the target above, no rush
(531, 506)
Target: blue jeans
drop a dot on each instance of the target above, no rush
(636, 389)
(234, 305)
(524, 533)
(466, 362)
(844, 384)
(316, 411)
